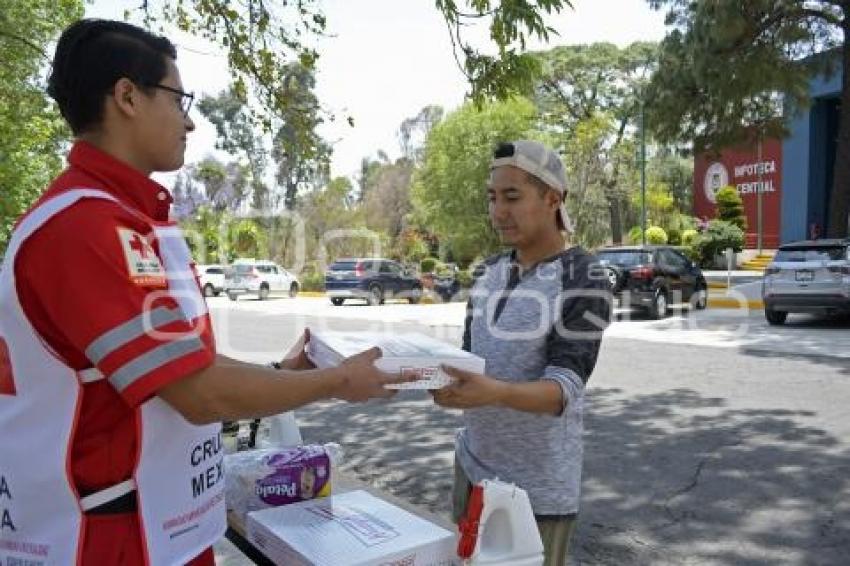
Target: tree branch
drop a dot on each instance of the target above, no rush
(25, 41)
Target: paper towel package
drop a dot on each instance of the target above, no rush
(404, 351)
(350, 529)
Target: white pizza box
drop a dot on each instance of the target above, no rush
(351, 529)
(403, 351)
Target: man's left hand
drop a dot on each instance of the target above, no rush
(469, 390)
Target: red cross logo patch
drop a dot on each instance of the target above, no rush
(143, 264)
(7, 379)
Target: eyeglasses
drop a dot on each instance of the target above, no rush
(186, 98)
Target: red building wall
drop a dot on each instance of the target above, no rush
(740, 168)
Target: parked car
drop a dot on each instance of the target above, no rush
(211, 279)
(372, 279)
(811, 276)
(259, 277)
(651, 277)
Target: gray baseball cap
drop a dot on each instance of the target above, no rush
(536, 159)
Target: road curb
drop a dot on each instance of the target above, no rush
(729, 303)
(425, 300)
(713, 302)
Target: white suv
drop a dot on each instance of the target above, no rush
(259, 277)
(811, 276)
(211, 279)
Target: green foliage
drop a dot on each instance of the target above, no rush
(587, 200)
(677, 174)
(635, 235)
(428, 264)
(588, 95)
(312, 282)
(449, 191)
(721, 65)
(412, 246)
(719, 236)
(688, 237)
(31, 130)
(512, 22)
(674, 237)
(730, 207)
(263, 39)
(656, 235)
(464, 278)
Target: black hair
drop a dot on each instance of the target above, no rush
(92, 55)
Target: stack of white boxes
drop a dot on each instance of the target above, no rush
(412, 352)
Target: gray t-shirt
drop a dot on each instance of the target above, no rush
(545, 323)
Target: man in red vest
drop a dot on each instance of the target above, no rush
(111, 390)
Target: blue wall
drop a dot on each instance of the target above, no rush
(804, 163)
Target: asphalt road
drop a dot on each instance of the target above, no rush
(711, 438)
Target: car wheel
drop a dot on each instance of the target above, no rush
(232, 296)
(336, 301)
(376, 295)
(775, 318)
(264, 292)
(209, 290)
(700, 298)
(293, 290)
(658, 309)
(216, 293)
(415, 296)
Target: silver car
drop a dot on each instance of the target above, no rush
(809, 276)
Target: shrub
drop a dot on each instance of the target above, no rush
(674, 237)
(717, 237)
(634, 235)
(465, 279)
(428, 264)
(688, 237)
(312, 282)
(656, 235)
(730, 207)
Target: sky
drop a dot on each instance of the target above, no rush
(385, 60)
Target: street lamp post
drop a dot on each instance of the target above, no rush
(759, 195)
(642, 172)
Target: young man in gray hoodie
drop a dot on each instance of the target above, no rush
(536, 315)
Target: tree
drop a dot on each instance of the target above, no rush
(512, 22)
(387, 199)
(582, 83)
(263, 38)
(584, 158)
(730, 207)
(728, 68)
(301, 155)
(669, 167)
(235, 134)
(31, 131)
(225, 186)
(414, 131)
(449, 191)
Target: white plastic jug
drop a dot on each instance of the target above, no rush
(507, 532)
(283, 431)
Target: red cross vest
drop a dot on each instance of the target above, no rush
(178, 476)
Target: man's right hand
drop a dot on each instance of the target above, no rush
(361, 380)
